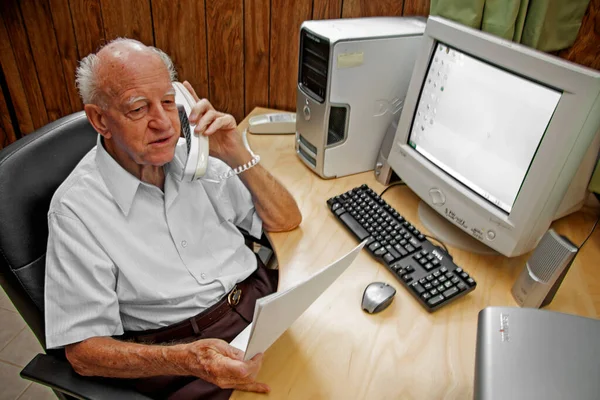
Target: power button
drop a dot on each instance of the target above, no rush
(437, 197)
(306, 112)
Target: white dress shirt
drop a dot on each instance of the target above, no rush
(123, 255)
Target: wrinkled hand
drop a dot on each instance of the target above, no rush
(225, 140)
(215, 361)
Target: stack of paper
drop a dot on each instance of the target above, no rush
(275, 313)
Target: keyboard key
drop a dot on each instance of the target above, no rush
(471, 282)
(450, 292)
(392, 251)
(388, 258)
(415, 243)
(380, 251)
(461, 286)
(434, 301)
(418, 288)
(374, 246)
(354, 226)
(400, 250)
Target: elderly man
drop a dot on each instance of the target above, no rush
(139, 257)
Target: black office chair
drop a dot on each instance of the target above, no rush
(31, 170)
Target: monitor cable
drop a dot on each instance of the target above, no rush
(591, 232)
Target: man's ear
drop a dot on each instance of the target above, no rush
(97, 118)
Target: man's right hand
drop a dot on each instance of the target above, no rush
(212, 360)
(215, 361)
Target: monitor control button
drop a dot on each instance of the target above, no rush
(306, 112)
(491, 235)
(437, 197)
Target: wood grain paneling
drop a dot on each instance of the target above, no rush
(225, 33)
(14, 84)
(238, 53)
(88, 25)
(285, 28)
(65, 37)
(46, 57)
(257, 17)
(327, 9)
(370, 8)
(7, 132)
(416, 7)
(586, 49)
(180, 31)
(25, 63)
(131, 19)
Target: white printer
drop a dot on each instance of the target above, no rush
(353, 76)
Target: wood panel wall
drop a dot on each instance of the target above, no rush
(237, 53)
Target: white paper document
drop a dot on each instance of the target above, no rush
(275, 313)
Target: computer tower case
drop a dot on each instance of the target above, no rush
(353, 76)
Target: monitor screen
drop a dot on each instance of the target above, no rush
(480, 123)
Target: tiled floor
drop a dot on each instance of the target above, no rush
(18, 345)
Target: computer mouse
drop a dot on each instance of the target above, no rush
(377, 297)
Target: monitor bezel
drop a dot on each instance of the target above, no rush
(550, 166)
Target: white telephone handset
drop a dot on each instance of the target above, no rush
(197, 145)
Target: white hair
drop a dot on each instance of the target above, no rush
(86, 77)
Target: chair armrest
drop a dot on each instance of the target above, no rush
(57, 373)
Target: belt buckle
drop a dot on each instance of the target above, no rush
(233, 298)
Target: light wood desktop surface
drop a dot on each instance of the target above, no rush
(337, 351)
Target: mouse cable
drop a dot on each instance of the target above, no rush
(401, 183)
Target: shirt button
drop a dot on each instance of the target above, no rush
(183, 243)
(202, 275)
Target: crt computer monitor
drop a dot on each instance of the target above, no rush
(496, 138)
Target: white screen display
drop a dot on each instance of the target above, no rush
(480, 124)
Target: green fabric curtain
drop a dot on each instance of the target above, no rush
(547, 25)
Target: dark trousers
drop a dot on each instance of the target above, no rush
(226, 327)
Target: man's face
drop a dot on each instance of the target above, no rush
(141, 119)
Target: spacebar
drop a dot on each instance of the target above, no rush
(354, 226)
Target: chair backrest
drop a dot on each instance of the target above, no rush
(31, 169)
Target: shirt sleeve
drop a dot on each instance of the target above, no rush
(80, 297)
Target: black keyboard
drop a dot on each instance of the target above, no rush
(424, 268)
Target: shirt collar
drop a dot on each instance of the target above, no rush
(120, 183)
(123, 186)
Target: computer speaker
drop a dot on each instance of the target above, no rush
(544, 271)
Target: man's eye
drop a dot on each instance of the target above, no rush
(168, 103)
(138, 111)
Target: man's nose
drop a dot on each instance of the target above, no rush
(160, 118)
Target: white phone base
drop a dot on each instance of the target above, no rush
(273, 123)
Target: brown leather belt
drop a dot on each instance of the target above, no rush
(192, 327)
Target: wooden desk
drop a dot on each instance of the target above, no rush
(337, 351)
